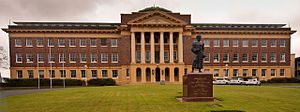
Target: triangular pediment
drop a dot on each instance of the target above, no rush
(156, 17)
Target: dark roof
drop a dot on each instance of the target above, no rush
(237, 26)
(64, 25)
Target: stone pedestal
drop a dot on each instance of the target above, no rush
(197, 87)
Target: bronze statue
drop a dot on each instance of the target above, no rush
(198, 50)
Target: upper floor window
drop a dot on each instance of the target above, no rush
(166, 56)
(206, 43)
(29, 42)
(273, 57)
(263, 57)
(51, 58)
(148, 56)
(282, 43)
(245, 57)
(216, 43)
(225, 57)
(216, 57)
(51, 42)
(254, 43)
(282, 57)
(62, 57)
(61, 42)
(103, 41)
(40, 57)
(82, 42)
(264, 43)
(245, 43)
(29, 58)
(40, 42)
(93, 58)
(72, 42)
(114, 42)
(104, 58)
(93, 42)
(206, 59)
(82, 58)
(235, 57)
(235, 43)
(254, 57)
(18, 58)
(72, 58)
(225, 43)
(114, 58)
(18, 43)
(138, 57)
(273, 43)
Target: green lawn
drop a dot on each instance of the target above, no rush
(154, 97)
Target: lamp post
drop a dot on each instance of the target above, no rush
(38, 72)
(85, 66)
(227, 73)
(64, 75)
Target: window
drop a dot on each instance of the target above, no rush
(282, 57)
(216, 43)
(51, 73)
(94, 73)
(245, 57)
(263, 57)
(41, 74)
(235, 57)
(281, 72)
(18, 58)
(216, 57)
(82, 42)
(225, 57)
(235, 72)
(254, 43)
(263, 72)
(273, 57)
(103, 41)
(115, 73)
(93, 58)
(175, 56)
(62, 73)
(82, 58)
(72, 42)
(51, 42)
(73, 73)
(254, 72)
(205, 70)
(148, 56)
(127, 73)
(206, 59)
(264, 43)
(61, 42)
(225, 43)
(40, 57)
(20, 74)
(62, 57)
(245, 72)
(206, 43)
(138, 57)
(83, 73)
(166, 56)
(104, 74)
(114, 42)
(273, 43)
(245, 43)
(254, 57)
(282, 43)
(18, 43)
(216, 72)
(51, 58)
(72, 57)
(40, 42)
(29, 42)
(93, 42)
(225, 72)
(235, 43)
(114, 58)
(273, 72)
(30, 74)
(29, 58)
(104, 57)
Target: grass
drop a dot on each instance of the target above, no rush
(156, 98)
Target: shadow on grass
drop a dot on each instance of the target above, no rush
(227, 111)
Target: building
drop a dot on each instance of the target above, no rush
(150, 45)
(297, 67)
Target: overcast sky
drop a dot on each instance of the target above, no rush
(202, 11)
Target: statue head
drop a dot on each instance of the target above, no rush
(198, 37)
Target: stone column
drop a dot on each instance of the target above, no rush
(180, 48)
(161, 43)
(132, 48)
(152, 48)
(171, 48)
(143, 47)
(143, 75)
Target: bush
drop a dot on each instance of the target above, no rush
(283, 80)
(43, 82)
(102, 82)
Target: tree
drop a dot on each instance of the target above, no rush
(3, 58)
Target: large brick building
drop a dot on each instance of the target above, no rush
(147, 46)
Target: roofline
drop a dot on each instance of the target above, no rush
(62, 22)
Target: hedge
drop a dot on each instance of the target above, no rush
(102, 82)
(43, 82)
(283, 80)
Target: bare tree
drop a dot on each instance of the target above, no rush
(3, 58)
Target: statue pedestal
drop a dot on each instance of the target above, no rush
(197, 87)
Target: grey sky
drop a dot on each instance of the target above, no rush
(202, 11)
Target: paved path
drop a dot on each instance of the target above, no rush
(7, 93)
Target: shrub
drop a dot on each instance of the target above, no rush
(43, 82)
(283, 80)
(102, 82)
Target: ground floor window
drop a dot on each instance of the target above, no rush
(235, 72)
(263, 72)
(216, 72)
(30, 74)
(51, 73)
(73, 73)
(281, 72)
(20, 74)
(273, 72)
(104, 74)
(254, 72)
(94, 73)
(83, 73)
(41, 74)
(245, 72)
(115, 73)
(62, 73)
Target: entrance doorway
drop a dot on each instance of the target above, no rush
(157, 74)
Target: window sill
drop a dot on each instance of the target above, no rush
(114, 46)
(29, 46)
(114, 62)
(72, 46)
(93, 61)
(82, 61)
(61, 46)
(104, 61)
(72, 61)
(29, 62)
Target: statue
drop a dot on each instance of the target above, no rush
(198, 50)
